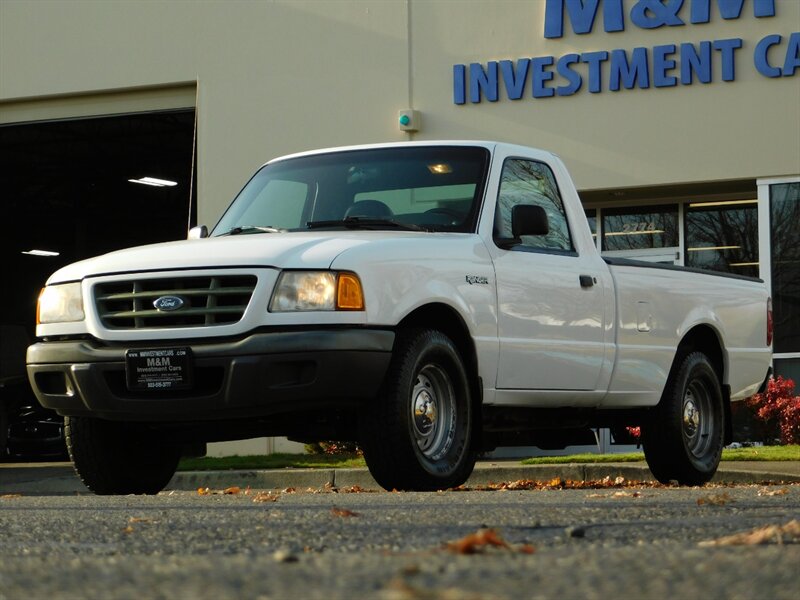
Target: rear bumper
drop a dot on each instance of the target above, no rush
(258, 375)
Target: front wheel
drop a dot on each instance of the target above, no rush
(684, 438)
(119, 458)
(417, 434)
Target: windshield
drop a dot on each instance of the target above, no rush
(434, 188)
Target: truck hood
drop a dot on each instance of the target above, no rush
(295, 250)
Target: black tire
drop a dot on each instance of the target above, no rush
(119, 458)
(417, 434)
(683, 439)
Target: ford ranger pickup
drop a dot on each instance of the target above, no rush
(429, 300)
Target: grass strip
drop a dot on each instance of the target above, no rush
(272, 461)
(755, 453)
(343, 461)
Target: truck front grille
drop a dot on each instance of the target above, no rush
(206, 301)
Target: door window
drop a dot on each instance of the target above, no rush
(533, 183)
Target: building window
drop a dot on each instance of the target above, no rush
(591, 217)
(723, 236)
(785, 243)
(640, 228)
(531, 182)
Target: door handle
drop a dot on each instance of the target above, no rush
(587, 281)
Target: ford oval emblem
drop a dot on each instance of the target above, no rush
(168, 303)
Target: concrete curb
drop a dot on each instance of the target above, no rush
(484, 474)
(61, 479)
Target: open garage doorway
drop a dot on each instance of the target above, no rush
(75, 188)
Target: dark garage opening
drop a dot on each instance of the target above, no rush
(67, 195)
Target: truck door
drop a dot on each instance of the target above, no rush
(551, 303)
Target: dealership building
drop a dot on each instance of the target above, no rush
(678, 119)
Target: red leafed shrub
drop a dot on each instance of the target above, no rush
(333, 448)
(635, 432)
(779, 409)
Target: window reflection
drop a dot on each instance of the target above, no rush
(530, 182)
(591, 217)
(723, 236)
(785, 240)
(639, 228)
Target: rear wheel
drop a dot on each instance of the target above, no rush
(684, 438)
(417, 435)
(119, 458)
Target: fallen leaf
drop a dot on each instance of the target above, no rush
(289, 490)
(770, 534)
(141, 520)
(626, 495)
(232, 491)
(343, 512)
(716, 499)
(619, 481)
(265, 497)
(477, 542)
(128, 530)
(203, 492)
(769, 492)
(10, 496)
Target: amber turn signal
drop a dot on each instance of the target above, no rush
(349, 295)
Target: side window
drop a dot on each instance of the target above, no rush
(531, 182)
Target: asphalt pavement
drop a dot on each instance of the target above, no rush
(59, 478)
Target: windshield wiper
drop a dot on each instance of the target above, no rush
(252, 229)
(364, 223)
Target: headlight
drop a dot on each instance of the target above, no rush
(60, 304)
(317, 290)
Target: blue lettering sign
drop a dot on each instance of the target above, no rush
(662, 62)
(582, 14)
(647, 14)
(595, 61)
(651, 14)
(459, 84)
(791, 62)
(514, 77)
(665, 65)
(728, 48)
(574, 78)
(760, 56)
(792, 56)
(629, 74)
(483, 81)
(695, 63)
(541, 76)
(730, 9)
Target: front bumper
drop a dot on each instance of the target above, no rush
(258, 375)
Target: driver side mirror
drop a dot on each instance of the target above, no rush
(528, 219)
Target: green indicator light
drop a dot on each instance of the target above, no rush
(405, 120)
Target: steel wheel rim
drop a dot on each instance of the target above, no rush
(697, 420)
(433, 412)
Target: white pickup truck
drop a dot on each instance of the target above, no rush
(429, 300)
